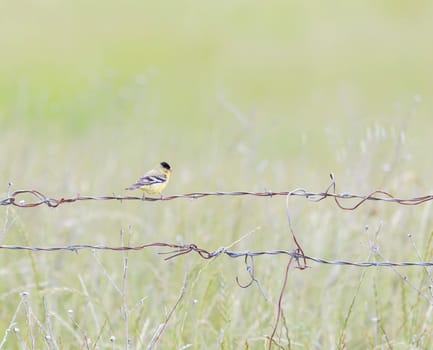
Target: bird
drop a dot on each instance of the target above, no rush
(154, 181)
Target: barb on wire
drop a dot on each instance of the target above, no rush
(181, 249)
(18, 198)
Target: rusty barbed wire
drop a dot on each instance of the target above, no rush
(19, 198)
(376, 195)
(182, 249)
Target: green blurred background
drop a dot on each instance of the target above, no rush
(289, 76)
(235, 95)
(171, 79)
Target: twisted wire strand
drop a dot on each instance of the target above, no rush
(377, 195)
(182, 249)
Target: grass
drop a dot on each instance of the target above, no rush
(235, 96)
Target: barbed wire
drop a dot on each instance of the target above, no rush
(376, 195)
(19, 198)
(182, 249)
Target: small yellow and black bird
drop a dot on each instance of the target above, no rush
(154, 181)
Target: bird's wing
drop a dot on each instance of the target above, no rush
(151, 179)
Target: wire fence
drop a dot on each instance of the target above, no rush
(34, 198)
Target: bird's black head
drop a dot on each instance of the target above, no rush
(165, 165)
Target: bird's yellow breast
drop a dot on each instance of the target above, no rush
(154, 188)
